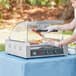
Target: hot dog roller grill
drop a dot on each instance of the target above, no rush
(26, 43)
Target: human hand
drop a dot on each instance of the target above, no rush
(61, 43)
(51, 42)
(52, 28)
(57, 43)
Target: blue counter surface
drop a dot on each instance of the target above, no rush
(51, 66)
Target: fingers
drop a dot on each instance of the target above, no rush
(52, 28)
(61, 44)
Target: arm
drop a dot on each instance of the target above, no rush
(68, 40)
(64, 27)
(68, 26)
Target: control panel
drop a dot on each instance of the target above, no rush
(50, 50)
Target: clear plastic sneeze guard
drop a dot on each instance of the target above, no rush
(26, 41)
